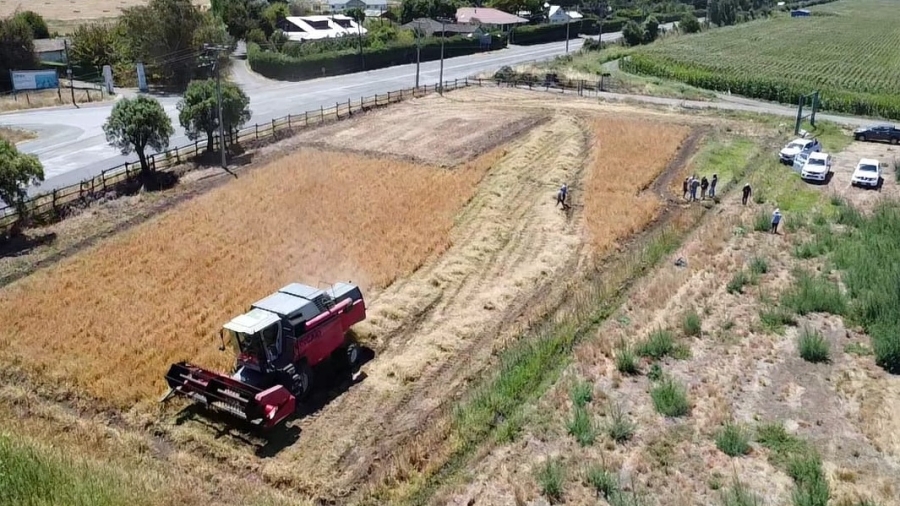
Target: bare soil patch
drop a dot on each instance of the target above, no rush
(845, 163)
(430, 129)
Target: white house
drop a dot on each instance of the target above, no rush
(559, 15)
(344, 5)
(300, 28)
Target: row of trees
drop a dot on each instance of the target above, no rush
(133, 126)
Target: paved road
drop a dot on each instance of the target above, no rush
(72, 146)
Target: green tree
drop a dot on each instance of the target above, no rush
(136, 124)
(17, 172)
(236, 16)
(97, 44)
(198, 111)
(689, 23)
(633, 33)
(273, 16)
(36, 22)
(168, 37)
(413, 9)
(651, 29)
(16, 48)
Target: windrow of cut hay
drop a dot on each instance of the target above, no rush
(848, 55)
(110, 320)
(628, 156)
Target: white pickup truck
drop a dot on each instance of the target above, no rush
(797, 146)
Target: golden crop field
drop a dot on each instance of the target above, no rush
(629, 155)
(71, 10)
(109, 321)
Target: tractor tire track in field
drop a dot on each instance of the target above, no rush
(507, 247)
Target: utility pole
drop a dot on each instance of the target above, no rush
(218, 50)
(418, 53)
(443, 36)
(69, 71)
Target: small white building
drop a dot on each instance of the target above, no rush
(301, 28)
(345, 5)
(559, 15)
(50, 50)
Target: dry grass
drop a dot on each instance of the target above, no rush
(629, 155)
(71, 10)
(121, 312)
(49, 98)
(15, 135)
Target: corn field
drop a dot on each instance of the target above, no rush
(849, 54)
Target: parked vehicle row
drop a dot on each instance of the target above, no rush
(806, 158)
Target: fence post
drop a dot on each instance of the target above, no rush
(349, 107)
(55, 211)
(256, 130)
(289, 121)
(322, 112)
(389, 97)
(305, 118)
(273, 127)
(93, 180)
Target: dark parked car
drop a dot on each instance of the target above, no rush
(889, 133)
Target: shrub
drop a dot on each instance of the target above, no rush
(626, 362)
(689, 23)
(733, 440)
(736, 285)
(620, 428)
(550, 479)
(655, 373)
(812, 346)
(762, 222)
(602, 481)
(811, 484)
(759, 266)
(740, 495)
(813, 295)
(775, 319)
(582, 428)
(661, 343)
(691, 324)
(582, 393)
(670, 398)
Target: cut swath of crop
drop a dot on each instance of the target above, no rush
(110, 320)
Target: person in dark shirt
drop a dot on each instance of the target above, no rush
(712, 186)
(704, 184)
(746, 193)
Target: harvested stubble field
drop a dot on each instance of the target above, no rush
(736, 351)
(15, 135)
(447, 290)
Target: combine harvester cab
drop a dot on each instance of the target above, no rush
(277, 343)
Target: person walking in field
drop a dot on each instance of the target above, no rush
(684, 187)
(712, 186)
(745, 193)
(695, 184)
(562, 196)
(776, 219)
(704, 185)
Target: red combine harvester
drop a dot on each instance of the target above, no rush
(277, 343)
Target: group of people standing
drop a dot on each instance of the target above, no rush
(692, 184)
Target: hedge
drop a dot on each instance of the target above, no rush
(539, 34)
(283, 67)
(754, 86)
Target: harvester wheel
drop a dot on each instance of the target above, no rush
(353, 356)
(299, 380)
